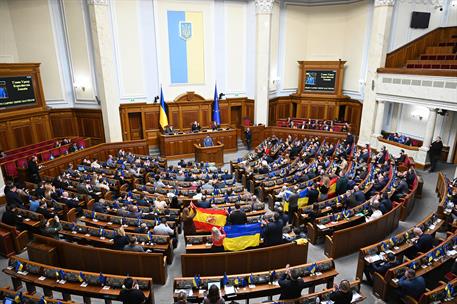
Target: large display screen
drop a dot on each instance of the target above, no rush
(16, 91)
(320, 81)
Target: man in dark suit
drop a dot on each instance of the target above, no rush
(169, 130)
(272, 231)
(12, 198)
(435, 153)
(349, 139)
(342, 184)
(357, 197)
(313, 194)
(195, 126)
(423, 244)
(410, 285)
(380, 267)
(291, 284)
(237, 216)
(401, 190)
(248, 136)
(33, 170)
(385, 204)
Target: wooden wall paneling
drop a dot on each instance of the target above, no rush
(4, 134)
(225, 113)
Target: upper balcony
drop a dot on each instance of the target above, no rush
(423, 71)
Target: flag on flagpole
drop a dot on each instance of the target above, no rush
(216, 113)
(163, 118)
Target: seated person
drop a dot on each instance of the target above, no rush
(213, 296)
(131, 294)
(423, 244)
(169, 130)
(385, 205)
(163, 228)
(207, 141)
(52, 227)
(376, 212)
(120, 240)
(195, 127)
(291, 285)
(342, 293)
(380, 267)
(401, 190)
(203, 203)
(132, 246)
(410, 285)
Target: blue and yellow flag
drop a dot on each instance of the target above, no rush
(302, 198)
(239, 237)
(81, 277)
(216, 113)
(186, 47)
(43, 300)
(163, 118)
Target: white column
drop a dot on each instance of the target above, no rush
(379, 118)
(379, 41)
(429, 130)
(422, 153)
(264, 9)
(105, 67)
(455, 174)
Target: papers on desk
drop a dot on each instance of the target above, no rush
(61, 282)
(42, 278)
(395, 280)
(26, 220)
(188, 292)
(83, 284)
(23, 273)
(451, 252)
(356, 297)
(373, 258)
(230, 291)
(106, 287)
(321, 227)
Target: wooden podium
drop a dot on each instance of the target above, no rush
(213, 154)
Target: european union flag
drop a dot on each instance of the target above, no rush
(216, 113)
(225, 280)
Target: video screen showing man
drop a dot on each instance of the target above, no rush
(3, 91)
(311, 78)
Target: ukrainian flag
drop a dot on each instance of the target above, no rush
(186, 47)
(239, 237)
(206, 219)
(302, 198)
(163, 118)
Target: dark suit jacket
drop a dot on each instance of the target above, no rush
(13, 200)
(272, 233)
(424, 243)
(237, 217)
(413, 288)
(290, 289)
(293, 201)
(313, 194)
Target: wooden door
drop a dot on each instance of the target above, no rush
(235, 117)
(135, 126)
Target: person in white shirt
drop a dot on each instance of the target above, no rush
(163, 228)
(198, 195)
(160, 204)
(376, 212)
(95, 164)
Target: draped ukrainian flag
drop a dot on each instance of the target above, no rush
(163, 118)
(302, 198)
(216, 113)
(239, 237)
(206, 219)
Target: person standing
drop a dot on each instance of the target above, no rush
(435, 153)
(248, 136)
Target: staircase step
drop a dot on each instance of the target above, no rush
(438, 50)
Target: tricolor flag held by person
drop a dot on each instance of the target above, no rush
(206, 219)
(239, 237)
(332, 188)
(163, 118)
